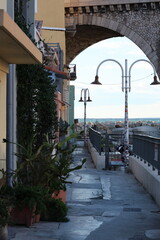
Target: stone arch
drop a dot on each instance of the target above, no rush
(85, 26)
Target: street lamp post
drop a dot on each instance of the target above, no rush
(126, 86)
(85, 91)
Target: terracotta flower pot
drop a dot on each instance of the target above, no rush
(37, 218)
(61, 194)
(4, 233)
(24, 216)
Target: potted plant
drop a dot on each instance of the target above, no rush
(4, 219)
(40, 203)
(56, 210)
(26, 199)
(6, 199)
(59, 165)
(46, 168)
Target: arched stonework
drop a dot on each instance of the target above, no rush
(85, 36)
(138, 22)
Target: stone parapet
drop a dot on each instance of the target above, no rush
(139, 21)
(146, 176)
(77, 3)
(98, 160)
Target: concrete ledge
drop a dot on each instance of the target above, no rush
(78, 3)
(146, 176)
(15, 46)
(98, 160)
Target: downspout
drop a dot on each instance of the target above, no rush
(10, 111)
(9, 146)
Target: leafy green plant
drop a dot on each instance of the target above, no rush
(49, 166)
(56, 210)
(35, 94)
(25, 196)
(6, 202)
(63, 127)
(4, 213)
(35, 101)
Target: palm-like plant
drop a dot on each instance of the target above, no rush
(49, 166)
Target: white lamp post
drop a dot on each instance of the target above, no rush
(126, 78)
(85, 91)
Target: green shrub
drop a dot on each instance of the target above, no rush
(56, 211)
(4, 213)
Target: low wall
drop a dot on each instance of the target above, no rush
(98, 160)
(146, 176)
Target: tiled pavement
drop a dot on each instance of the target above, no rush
(103, 205)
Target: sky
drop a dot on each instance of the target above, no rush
(108, 100)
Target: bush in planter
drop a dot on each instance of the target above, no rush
(49, 167)
(26, 200)
(6, 203)
(63, 164)
(56, 210)
(4, 219)
(25, 196)
(4, 213)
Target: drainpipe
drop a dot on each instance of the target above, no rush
(10, 111)
(9, 146)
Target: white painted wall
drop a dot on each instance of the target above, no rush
(146, 176)
(98, 160)
(3, 4)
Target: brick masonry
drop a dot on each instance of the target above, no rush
(138, 21)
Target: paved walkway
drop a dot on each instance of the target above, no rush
(103, 205)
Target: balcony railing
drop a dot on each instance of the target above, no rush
(147, 148)
(95, 138)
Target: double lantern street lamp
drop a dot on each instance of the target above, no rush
(126, 86)
(86, 93)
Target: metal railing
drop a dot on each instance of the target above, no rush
(148, 149)
(95, 138)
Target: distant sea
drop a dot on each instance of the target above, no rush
(157, 120)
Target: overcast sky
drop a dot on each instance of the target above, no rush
(108, 98)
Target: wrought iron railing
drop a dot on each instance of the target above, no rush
(95, 138)
(147, 148)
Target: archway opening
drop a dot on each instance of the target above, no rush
(108, 99)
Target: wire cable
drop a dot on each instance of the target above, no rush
(117, 84)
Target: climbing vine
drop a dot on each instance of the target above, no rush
(36, 107)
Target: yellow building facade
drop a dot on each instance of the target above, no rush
(52, 15)
(15, 48)
(53, 31)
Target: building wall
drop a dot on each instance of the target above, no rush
(3, 4)
(71, 108)
(3, 86)
(52, 15)
(146, 176)
(18, 49)
(72, 3)
(3, 74)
